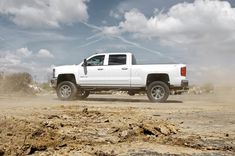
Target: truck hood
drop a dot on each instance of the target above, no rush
(65, 69)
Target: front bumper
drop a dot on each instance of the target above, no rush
(53, 83)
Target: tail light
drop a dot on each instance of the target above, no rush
(183, 71)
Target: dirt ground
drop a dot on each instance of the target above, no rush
(106, 125)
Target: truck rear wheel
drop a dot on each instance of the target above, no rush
(66, 91)
(158, 91)
(83, 94)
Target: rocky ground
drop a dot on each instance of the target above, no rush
(107, 125)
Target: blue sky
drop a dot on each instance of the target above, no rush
(36, 35)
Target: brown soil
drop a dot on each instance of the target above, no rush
(118, 125)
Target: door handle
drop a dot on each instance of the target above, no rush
(124, 68)
(100, 69)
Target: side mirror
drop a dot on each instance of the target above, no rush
(85, 63)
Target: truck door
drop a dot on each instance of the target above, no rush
(117, 71)
(93, 73)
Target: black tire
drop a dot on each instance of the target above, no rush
(82, 94)
(66, 91)
(158, 91)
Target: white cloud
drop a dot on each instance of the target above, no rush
(44, 13)
(111, 31)
(201, 21)
(202, 33)
(24, 60)
(14, 57)
(17, 57)
(24, 52)
(10, 59)
(103, 22)
(116, 15)
(44, 53)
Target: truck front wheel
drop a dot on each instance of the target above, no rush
(158, 91)
(66, 91)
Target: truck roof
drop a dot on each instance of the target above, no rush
(115, 53)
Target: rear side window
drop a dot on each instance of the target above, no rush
(117, 59)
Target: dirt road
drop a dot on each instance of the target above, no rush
(118, 125)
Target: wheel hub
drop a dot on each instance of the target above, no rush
(65, 91)
(158, 92)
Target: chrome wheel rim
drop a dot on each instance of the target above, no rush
(158, 92)
(65, 91)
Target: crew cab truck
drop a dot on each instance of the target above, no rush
(118, 71)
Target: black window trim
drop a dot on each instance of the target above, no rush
(93, 57)
(117, 64)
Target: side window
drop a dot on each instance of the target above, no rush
(117, 59)
(96, 61)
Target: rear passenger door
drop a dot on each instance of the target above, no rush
(117, 72)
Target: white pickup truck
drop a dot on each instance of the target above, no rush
(118, 71)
